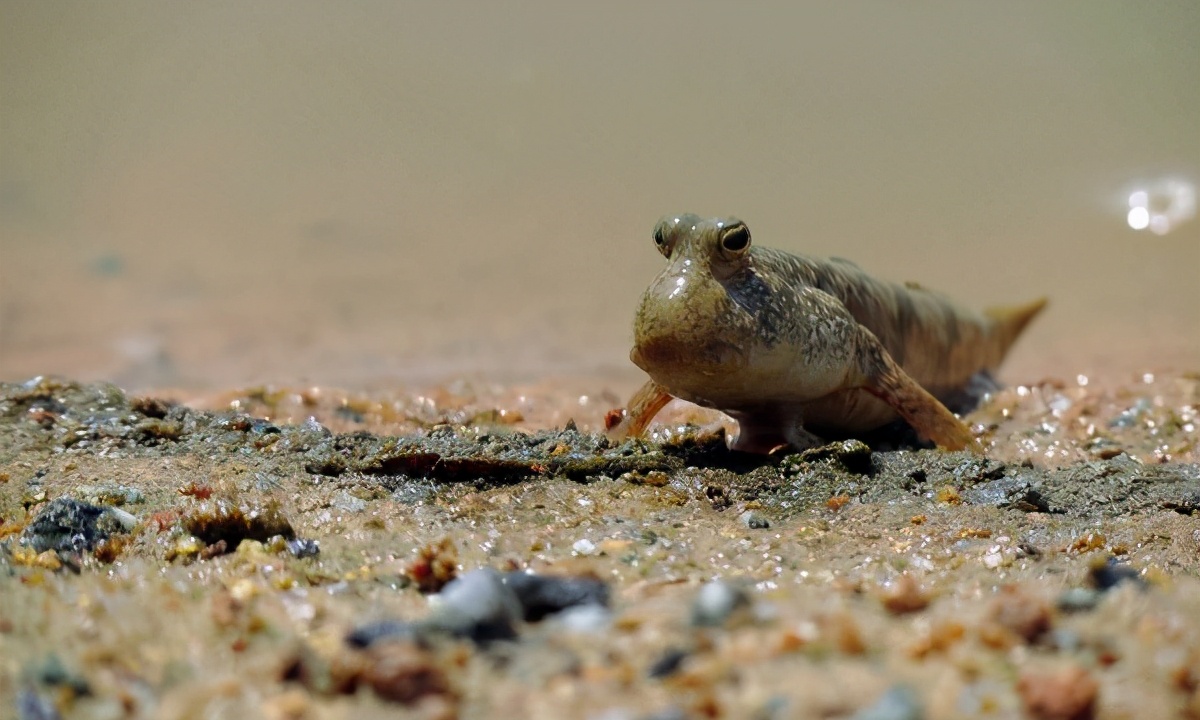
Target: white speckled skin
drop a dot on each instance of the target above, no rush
(780, 341)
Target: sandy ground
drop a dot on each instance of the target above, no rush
(249, 563)
(427, 229)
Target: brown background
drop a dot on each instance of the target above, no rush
(371, 194)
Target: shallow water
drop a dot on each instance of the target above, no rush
(383, 194)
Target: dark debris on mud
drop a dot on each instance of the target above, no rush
(53, 416)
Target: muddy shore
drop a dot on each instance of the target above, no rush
(429, 230)
(483, 553)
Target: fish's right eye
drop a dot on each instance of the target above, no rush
(660, 239)
(736, 238)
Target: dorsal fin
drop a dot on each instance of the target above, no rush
(844, 261)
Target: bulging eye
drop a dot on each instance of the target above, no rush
(736, 239)
(660, 238)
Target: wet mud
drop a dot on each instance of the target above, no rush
(484, 553)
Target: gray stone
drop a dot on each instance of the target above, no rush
(754, 520)
(478, 605)
(900, 702)
(716, 602)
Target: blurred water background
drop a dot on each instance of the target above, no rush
(375, 193)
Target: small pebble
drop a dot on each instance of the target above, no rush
(754, 520)
(672, 713)
(351, 504)
(33, 706)
(1069, 694)
(1107, 574)
(543, 595)
(1065, 640)
(185, 548)
(905, 596)
(667, 664)
(612, 714)
(53, 672)
(716, 602)
(478, 605)
(900, 702)
(1078, 599)
(365, 636)
(584, 619)
(303, 547)
(1021, 613)
(775, 707)
(584, 546)
(314, 426)
(404, 673)
(128, 521)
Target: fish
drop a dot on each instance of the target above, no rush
(797, 349)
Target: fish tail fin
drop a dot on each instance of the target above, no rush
(1010, 321)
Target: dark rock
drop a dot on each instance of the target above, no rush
(365, 636)
(1111, 572)
(68, 525)
(262, 427)
(479, 606)
(53, 672)
(542, 595)
(303, 547)
(667, 664)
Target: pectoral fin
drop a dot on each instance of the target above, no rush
(642, 408)
(929, 417)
